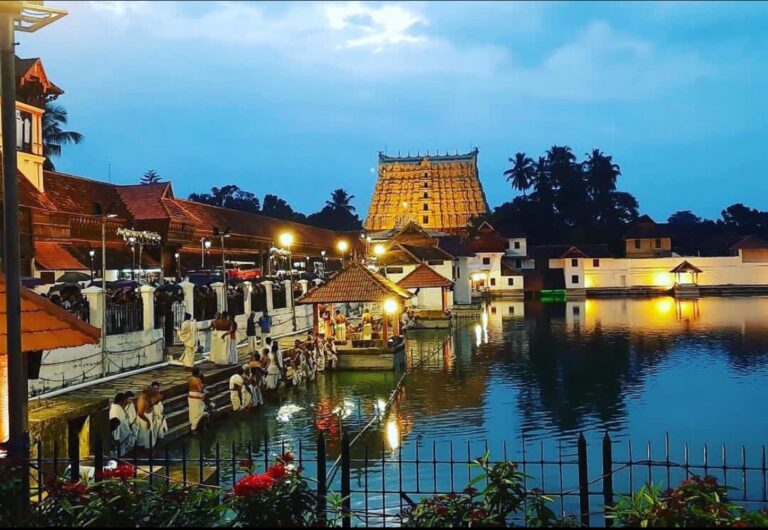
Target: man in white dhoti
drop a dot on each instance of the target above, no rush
(159, 422)
(273, 371)
(188, 337)
(220, 339)
(123, 435)
(233, 357)
(145, 438)
(367, 325)
(196, 400)
(236, 391)
(130, 413)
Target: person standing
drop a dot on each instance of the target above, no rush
(144, 414)
(220, 339)
(123, 435)
(159, 421)
(273, 370)
(367, 325)
(250, 332)
(130, 413)
(196, 398)
(233, 357)
(265, 326)
(188, 337)
(236, 384)
(341, 326)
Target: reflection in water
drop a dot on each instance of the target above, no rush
(635, 367)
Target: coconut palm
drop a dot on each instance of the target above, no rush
(54, 137)
(521, 173)
(340, 200)
(150, 177)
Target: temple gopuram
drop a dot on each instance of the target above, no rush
(438, 192)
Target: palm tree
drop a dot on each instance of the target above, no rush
(54, 118)
(521, 173)
(601, 173)
(150, 177)
(340, 200)
(541, 177)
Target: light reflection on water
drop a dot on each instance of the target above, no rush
(637, 368)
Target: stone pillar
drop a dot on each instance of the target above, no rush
(288, 286)
(246, 288)
(95, 298)
(188, 288)
(304, 286)
(268, 291)
(148, 300)
(221, 293)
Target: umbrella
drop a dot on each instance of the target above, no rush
(63, 286)
(169, 287)
(74, 277)
(126, 284)
(29, 281)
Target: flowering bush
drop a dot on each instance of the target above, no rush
(501, 503)
(280, 497)
(695, 503)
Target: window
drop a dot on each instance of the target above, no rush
(493, 308)
(575, 279)
(637, 243)
(517, 245)
(510, 281)
(493, 282)
(511, 310)
(575, 262)
(518, 263)
(658, 243)
(435, 262)
(576, 311)
(426, 184)
(486, 261)
(425, 219)
(426, 195)
(426, 174)
(425, 207)
(394, 270)
(595, 262)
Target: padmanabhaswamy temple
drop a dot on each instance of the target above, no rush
(438, 192)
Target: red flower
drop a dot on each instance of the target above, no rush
(246, 464)
(253, 484)
(478, 514)
(277, 472)
(122, 472)
(286, 458)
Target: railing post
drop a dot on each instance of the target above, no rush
(147, 293)
(607, 477)
(322, 487)
(268, 294)
(73, 445)
(98, 458)
(346, 521)
(583, 481)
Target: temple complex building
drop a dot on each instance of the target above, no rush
(438, 192)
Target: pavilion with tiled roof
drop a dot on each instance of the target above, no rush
(425, 277)
(44, 326)
(355, 283)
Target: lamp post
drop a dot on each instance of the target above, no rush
(27, 17)
(222, 234)
(286, 240)
(92, 253)
(104, 217)
(178, 265)
(132, 243)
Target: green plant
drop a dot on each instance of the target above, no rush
(695, 503)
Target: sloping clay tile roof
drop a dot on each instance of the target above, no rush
(424, 276)
(356, 283)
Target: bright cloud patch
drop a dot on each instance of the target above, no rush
(374, 27)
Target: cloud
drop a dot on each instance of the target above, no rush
(377, 26)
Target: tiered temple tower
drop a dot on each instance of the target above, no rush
(439, 192)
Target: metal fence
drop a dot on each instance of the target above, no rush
(125, 318)
(278, 297)
(377, 482)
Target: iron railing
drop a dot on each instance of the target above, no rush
(377, 482)
(125, 318)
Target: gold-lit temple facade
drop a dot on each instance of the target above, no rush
(439, 192)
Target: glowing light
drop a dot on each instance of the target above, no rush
(286, 412)
(393, 434)
(663, 279)
(478, 334)
(405, 204)
(589, 281)
(378, 250)
(380, 407)
(663, 305)
(342, 245)
(286, 239)
(478, 276)
(390, 306)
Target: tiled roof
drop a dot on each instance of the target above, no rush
(455, 246)
(356, 283)
(750, 242)
(57, 256)
(464, 157)
(646, 228)
(427, 253)
(397, 255)
(145, 201)
(73, 194)
(424, 276)
(486, 239)
(686, 266)
(45, 326)
(28, 193)
(565, 251)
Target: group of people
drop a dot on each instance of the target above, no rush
(137, 422)
(334, 325)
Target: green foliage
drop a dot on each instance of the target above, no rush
(695, 503)
(503, 501)
(54, 135)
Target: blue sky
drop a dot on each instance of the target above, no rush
(297, 99)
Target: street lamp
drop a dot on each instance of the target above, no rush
(222, 235)
(204, 245)
(378, 250)
(343, 246)
(92, 253)
(132, 243)
(27, 17)
(286, 240)
(178, 265)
